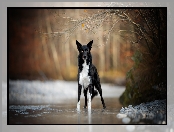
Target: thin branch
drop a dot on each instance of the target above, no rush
(139, 27)
(147, 23)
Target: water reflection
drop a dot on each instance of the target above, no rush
(78, 117)
(66, 113)
(89, 116)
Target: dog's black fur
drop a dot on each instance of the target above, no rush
(94, 80)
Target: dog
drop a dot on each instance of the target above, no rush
(88, 77)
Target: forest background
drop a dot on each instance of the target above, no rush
(130, 47)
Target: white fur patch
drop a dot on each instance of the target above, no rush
(78, 106)
(84, 79)
(89, 101)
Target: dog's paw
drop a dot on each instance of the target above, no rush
(89, 105)
(78, 105)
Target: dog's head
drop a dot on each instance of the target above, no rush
(84, 50)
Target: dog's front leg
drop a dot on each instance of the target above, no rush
(89, 97)
(85, 94)
(79, 93)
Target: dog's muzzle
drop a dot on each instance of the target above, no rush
(84, 57)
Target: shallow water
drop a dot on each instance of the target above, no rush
(65, 113)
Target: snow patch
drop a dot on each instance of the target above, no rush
(126, 120)
(155, 111)
(50, 92)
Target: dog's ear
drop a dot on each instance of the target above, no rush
(78, 45)
(90, 44)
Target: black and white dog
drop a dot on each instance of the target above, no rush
(87, 75)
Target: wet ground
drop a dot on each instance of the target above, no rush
(54, 102)
(65, 113)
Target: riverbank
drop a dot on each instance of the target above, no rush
(153, 112)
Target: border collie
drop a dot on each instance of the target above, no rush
(87, 75)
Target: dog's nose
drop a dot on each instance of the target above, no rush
(84, 56)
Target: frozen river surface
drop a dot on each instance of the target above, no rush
(54, 102)
(65, 113)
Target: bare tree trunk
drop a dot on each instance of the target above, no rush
(102, 55)
(114, 50)
(41, 67)
(53, 48)
(43, 42)
(67, 52)
(118, 48)
(107, 48)
(118, 52)
(78, 36)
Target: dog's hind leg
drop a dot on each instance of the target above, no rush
(100, 92)
(79, 93)
(98, 87)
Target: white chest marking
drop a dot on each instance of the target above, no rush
(84, 79)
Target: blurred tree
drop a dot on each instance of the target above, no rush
(113, 31)
(53, 47)
(96, 24)
(147, 79)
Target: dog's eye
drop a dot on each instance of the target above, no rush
(86, 50)
(82, 51)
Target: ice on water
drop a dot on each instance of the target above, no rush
(155, 111)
